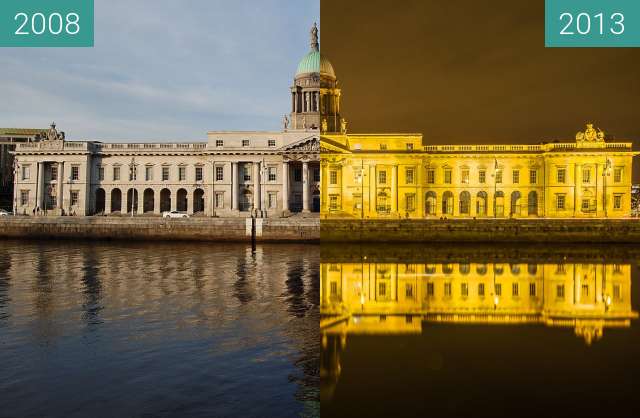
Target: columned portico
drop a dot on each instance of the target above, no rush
(285, 186)
(305, 186)
(256, 186)
(60, 180)
(234, 186)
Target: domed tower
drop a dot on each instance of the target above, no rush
(314, 94)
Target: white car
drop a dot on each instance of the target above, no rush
(175, 214)
(5, 213)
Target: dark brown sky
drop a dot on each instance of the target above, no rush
(473, 72)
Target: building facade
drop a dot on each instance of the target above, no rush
(9, 138)
(251, 173)
(397, 176)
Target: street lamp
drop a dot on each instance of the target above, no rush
(132, 177)
(16, 170)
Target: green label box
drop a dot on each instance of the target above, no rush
(592, 23)
(46, 23)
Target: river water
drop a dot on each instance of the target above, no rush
(158, 330)
(480, 331)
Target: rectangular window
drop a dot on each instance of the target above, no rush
(447, 176)
(447, 289)
(617, 201)
(219, 143)
(297, 174)
(333, 177)
(532, 289)
(382, 289)
(182, 173)
(101, 173)
(560, 291)
(219, 173)
(334, 289)
(219, 200)
(516, 176)
(116, 173)
(198, 173)
(26, 172)
(411, 202)
(431, 176)
(430, 289)
(561, 175)
(273, 200)
(408, 290)
(616, 292)
(585, 205)
(165, 173)
(246, 173)
(75, 172)
(560, 202)
(24, 197)
(382, 177)
(271, 142)
(383, 147)
(480, 289)
(316, 175)
(245, 142)
(617, 174)
(54, 172)
(515, 289)
(533, 176)
(585, 290)
(272, 173)
(586, 175)
(74, 197)
(133, 172)
(409, 175)
(465, 176)
(482, 176)
(464, 289)
(333, 202)
(148, 173)
(498, 176)
(498, 289)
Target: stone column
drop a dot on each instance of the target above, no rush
(285, 186)
(324, 198)
(39, 185)
(156, 202)
(190, 202)
(394, 189)
(174, 200)
(234, 186)
(305, 186)
(60, 181)
(373, 191)
(140, 202)
(256, 186)
(107, 201)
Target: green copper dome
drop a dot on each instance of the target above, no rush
(314, 62)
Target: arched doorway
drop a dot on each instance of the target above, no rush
(532, 203)
(465, 203)
(481, 204)
(132, 201)
(149, 203)
(116, 200)
(498, 209)
(430, 203)
(198, 201)
(165, 200)
(182, 200)
(447, 203)
(246, 200)
(315, 202)
(100, 200)
(515, 203)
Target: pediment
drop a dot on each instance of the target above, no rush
(310, 144)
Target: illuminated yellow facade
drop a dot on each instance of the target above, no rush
(397, 176)
(395, 298)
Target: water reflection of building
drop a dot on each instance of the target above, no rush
(400, 298)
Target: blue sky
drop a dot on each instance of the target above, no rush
(163, 70)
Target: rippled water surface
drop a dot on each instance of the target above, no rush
(158, 330)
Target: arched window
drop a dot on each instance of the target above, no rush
(430, 203)
(532, 201)
(481, 204)
(447, 203)
(465, 203)
(481, 269)
(515, 203)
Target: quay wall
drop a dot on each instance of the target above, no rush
(140, 228)
(564, 231)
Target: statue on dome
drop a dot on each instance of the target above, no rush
(325, 126)
(343, 126)
(285, 122)
(314, 37)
